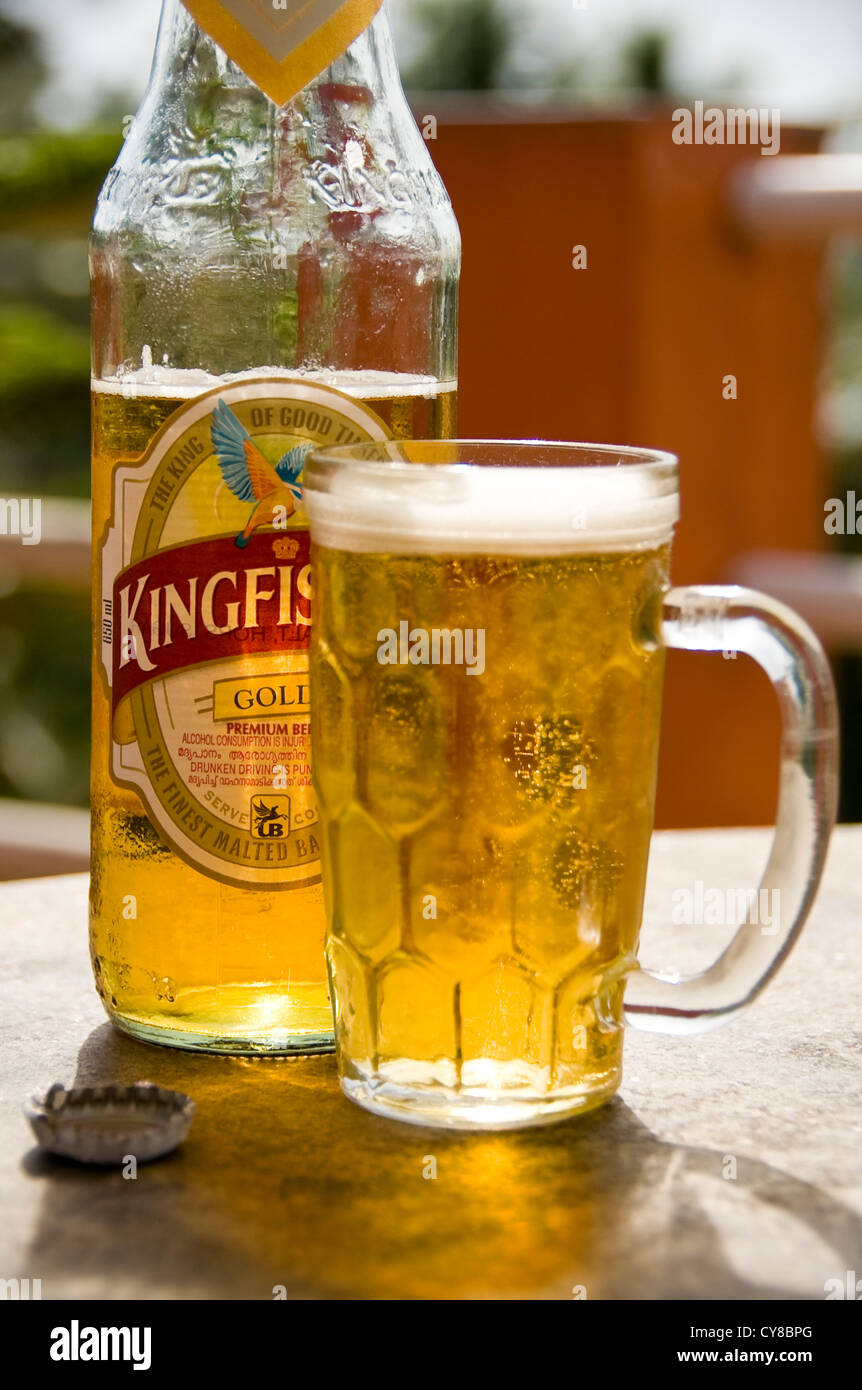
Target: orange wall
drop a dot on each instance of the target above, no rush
(634, 350)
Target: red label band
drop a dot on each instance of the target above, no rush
(209, 601)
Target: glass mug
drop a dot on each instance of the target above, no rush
(487, 664)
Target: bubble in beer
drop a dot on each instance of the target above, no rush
(542, 754)
(582, 869)
(481, 572)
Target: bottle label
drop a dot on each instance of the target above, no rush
(205, 617)
(283, 44)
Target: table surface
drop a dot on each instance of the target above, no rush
(283, 1182)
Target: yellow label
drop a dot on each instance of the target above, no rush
(205, 623)
(283, 44)
(252, 697)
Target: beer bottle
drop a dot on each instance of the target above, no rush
(275, 266)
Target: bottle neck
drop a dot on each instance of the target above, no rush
(187, 52)
(233, 233)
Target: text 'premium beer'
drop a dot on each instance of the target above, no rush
(267, 278)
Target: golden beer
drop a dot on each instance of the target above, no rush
(181, 954)
(275, 265)
(486, 827)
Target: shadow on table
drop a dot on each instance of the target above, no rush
(284, 1183)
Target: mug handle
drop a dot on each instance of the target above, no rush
(732, 620)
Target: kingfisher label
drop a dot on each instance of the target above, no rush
(283, 44)
(205, 622)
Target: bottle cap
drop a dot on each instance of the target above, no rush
(109, 1124)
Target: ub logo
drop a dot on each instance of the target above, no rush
(270, 818)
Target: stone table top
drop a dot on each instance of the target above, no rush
(284, 1183)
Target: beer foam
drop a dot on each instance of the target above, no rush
(153, 382)
(400, 508)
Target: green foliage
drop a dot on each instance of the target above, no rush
(467, 45)
(37, 345)
(478, 45)
(48, 169)
(48, 186)
(44, 696)
(22, 70)
(645, 62)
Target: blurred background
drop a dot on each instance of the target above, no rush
(553, 130)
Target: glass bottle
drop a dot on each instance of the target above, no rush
(264, 278)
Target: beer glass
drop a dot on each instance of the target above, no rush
(488, 652)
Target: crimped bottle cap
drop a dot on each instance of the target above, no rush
(109, 1124)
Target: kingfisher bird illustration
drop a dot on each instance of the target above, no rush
(251, 477)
